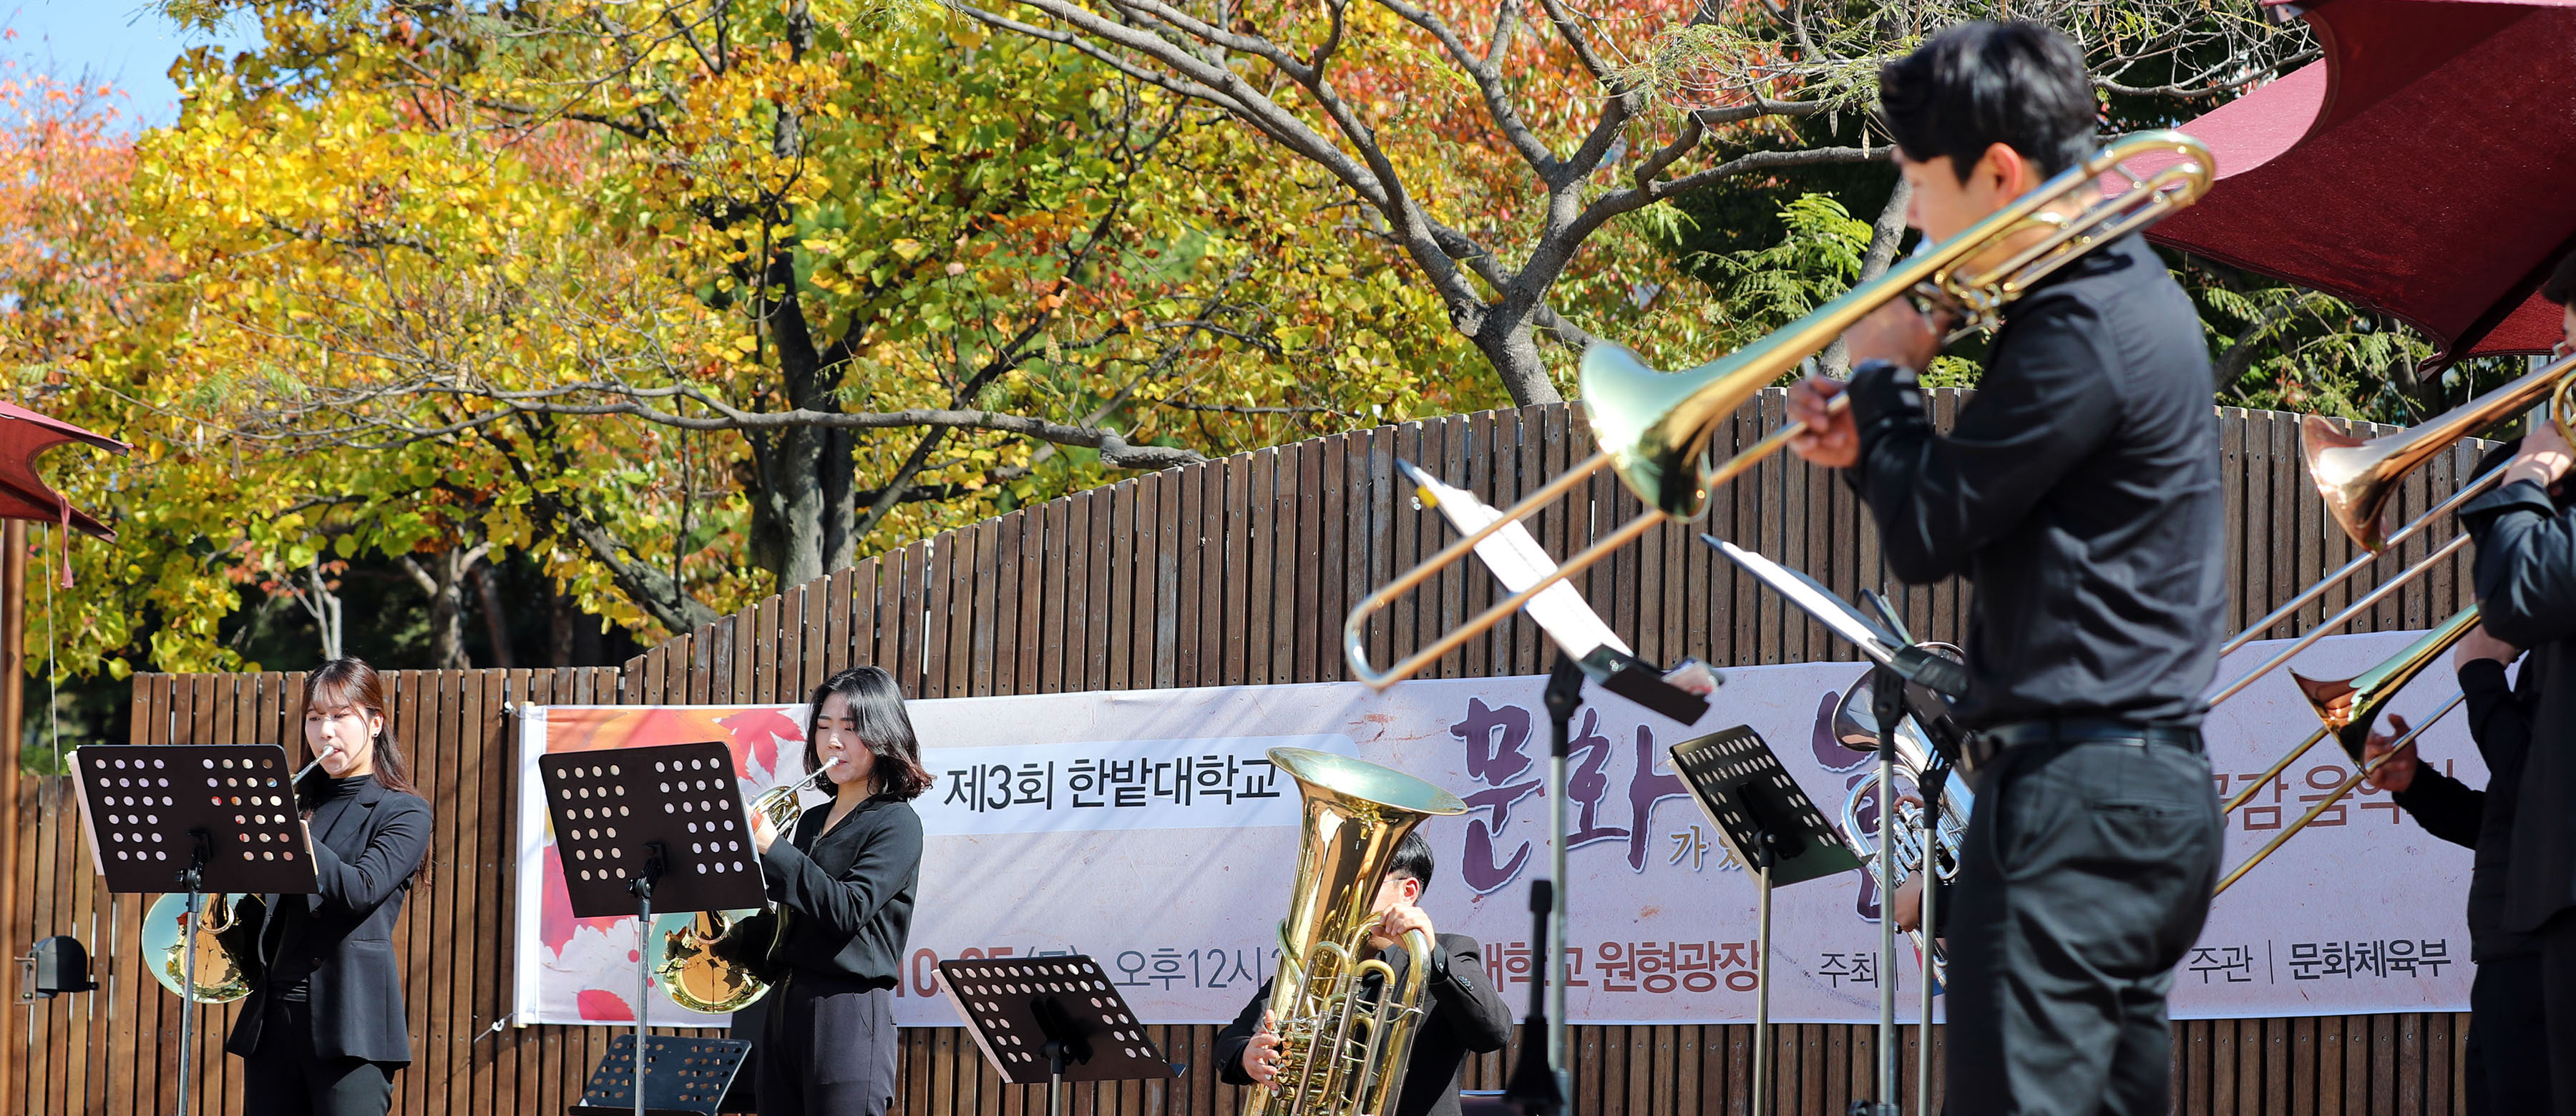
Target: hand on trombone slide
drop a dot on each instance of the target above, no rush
(2397, 772)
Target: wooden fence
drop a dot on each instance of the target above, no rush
(1236, 571)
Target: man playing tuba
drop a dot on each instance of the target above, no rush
(1464, 1013)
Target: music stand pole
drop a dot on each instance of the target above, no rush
(1564, 695)
(1762, 975)
(643, 889)
(1887, 700)
(1931, 788)
(194, 876)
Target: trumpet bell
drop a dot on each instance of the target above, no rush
(227, 947)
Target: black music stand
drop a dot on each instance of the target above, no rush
(208, 817)
(700, 1070)
(1051, 1020)
(1770, 825)
(663, 822)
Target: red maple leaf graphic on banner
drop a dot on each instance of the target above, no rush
(756, 733)
(606, 1007)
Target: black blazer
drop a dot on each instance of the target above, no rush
(848, 892)
(366, 849)
(1465, 1014)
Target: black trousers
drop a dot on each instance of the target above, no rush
(2508, 1057)
(285, 1078)
(827, 1048)
(2558, 991)
(2084, 879)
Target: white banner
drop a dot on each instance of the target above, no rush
(1143, 828)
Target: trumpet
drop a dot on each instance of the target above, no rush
(227, 937)
(1856, 729)
(1657, 432)
(697, 956)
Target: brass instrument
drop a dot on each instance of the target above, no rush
(2346, 709)
(1657, 431)
(227, 940)
(2356, 478)
(227, 945)
(1856, 728)
(699, 957)
(1343, 1046)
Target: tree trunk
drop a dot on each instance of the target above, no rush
(496, 619)
(1506, 341)
(443, 578)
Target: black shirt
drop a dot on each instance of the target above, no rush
(848, 893)
(1463, 1014)
(2500, 722)
(2079, 490)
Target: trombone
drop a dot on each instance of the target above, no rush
(2346, 709)
(2357, 478)
(1657, 431)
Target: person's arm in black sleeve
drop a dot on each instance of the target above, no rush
(2043, 404)
(1237, 1035)
(1470, 1004)
(2446, 807)
(391, 856)
(2499, 722)
(2526, 564)
(887, 857)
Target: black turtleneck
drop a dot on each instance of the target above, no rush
(292, 961)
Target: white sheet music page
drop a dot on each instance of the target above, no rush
(1518, 561)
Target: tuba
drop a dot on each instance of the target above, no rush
(711, 961)
(1857, 729)
(1342, 1047)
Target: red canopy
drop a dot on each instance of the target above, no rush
(24, 495)
(2425, 168)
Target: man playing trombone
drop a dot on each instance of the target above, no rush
(2079, 489)
(2507, 1064)
(2526, 584)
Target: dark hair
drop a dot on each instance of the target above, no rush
(1412, 860)
(877, 715)
(2560, 287)
(352, 684)
(1978, 84)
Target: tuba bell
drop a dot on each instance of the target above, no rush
(1342, 1048)
(1855, 728)
(713, 961)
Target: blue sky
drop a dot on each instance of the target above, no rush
(124, 43)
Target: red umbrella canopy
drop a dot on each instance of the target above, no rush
(2424, 168)
(24, 495)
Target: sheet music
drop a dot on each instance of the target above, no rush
(1813, 599)
(89, 831)
(1518, 561)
